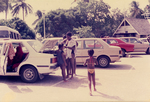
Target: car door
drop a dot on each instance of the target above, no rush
(4, 58)
(1, 59)
(91, 44)
(78, 53)
(138, 46)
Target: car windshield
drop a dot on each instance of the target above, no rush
(36, 45)
(4, 34)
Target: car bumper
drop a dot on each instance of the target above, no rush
(115, 59)
(47, 69)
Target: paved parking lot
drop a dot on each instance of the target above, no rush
(127, 80)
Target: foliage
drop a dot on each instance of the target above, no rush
(20, 26)
(57, 23)
(2, 5)
(84, 32)
(135, 11)
(94, 14)
(39, 14)
(27, 8)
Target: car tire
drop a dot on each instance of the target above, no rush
(103, 61)
(147, 51)
(29, 74)
(123, 52)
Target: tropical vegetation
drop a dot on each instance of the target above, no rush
(90, 18)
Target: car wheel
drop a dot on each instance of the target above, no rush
(103, 62)
(123, 53)
(29, 74)
(147, 51)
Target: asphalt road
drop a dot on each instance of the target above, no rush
(127, 80)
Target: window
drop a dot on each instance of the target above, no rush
(92, 44)
(15, 36)
(79, 44)
(111, 41)
(125, 40)
(4, 34)
(24, 49)
(36, 45)
(132, 40)
(98, 45)
(89, 44)
(11, 35)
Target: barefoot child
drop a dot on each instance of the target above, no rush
(61, 61)
(91, 69)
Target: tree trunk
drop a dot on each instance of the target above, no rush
(6, 15)
(23, 13)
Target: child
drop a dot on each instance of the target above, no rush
(91, 70)
(61, 60)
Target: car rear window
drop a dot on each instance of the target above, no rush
(36, 45)
(125, 40)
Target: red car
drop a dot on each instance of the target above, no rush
(125, 47)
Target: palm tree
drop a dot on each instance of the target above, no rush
(39, 14)
(135, 11)
(5, 5)
(2, 6)
(26, 8)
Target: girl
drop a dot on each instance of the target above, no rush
(91, 69)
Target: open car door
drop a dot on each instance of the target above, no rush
(4, 59)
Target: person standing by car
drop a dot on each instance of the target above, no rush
(61, 61)
(91, 70)
(70, 47)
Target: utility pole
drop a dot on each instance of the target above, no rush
(44, 22)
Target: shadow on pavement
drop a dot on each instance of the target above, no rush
(133, 56)
(119, 67)
(76, 82)
(111, 67)
(108, 96)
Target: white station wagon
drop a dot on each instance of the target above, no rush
(34, 64)
(104, 53)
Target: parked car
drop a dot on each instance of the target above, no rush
(104, 53)
(125, 47)
(33, 64)
(143, 40)
(138, 45)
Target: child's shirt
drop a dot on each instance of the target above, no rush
(60, 60)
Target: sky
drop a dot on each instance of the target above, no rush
(49, 5)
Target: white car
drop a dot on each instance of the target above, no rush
(34, 65)
(104, 53)
(138, 45)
